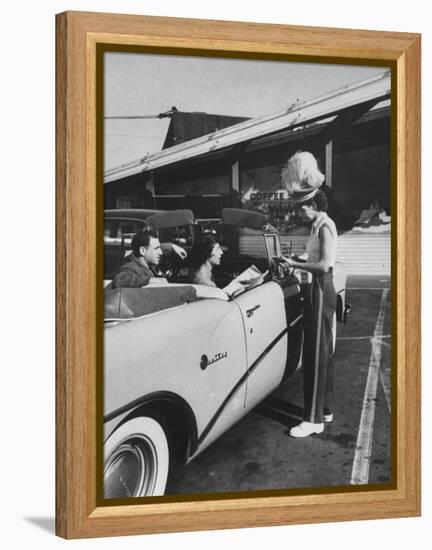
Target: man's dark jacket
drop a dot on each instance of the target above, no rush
(133, 273)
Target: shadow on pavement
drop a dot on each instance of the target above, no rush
(281, 411)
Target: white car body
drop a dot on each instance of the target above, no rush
(194, 369)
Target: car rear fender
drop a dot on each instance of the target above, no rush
(340, 306)
(340, 279)
(177, 415)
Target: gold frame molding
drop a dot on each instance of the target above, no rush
(79, 34)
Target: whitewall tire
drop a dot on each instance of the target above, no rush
(136, 459)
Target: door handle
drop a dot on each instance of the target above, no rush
(250, 312)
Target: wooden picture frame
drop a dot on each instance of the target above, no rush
(78, 300)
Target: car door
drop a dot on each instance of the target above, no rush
(195, 351)
(264, 321)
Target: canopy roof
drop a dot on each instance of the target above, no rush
(340, 102)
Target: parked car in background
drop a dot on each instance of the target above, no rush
(119, 227)
(177, 375)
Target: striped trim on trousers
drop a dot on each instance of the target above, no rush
(319, 307)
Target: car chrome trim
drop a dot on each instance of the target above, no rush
(250, 312)
(296, 320)
(237, 386)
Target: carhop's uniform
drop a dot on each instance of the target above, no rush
(319, 307)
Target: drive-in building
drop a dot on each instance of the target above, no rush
(211, 161)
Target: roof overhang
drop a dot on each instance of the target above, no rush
(374, 89)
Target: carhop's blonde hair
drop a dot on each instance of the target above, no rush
(301, 173)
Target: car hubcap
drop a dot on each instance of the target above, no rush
(131, 469)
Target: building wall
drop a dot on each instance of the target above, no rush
(360, 174)
(361, 254)
(128, 192)
(361, 169)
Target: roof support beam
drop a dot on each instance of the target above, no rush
(329, 164)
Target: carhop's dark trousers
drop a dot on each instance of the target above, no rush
(319, 306)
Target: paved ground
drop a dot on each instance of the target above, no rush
(257, 453)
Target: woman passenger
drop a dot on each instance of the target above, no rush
(206, 253)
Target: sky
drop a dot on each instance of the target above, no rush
(148, 84)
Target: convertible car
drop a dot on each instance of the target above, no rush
(178, 372)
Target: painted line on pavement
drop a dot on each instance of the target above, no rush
(385, 382)
(361, 464)
(386, 379)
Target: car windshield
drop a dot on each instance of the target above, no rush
(241, 245)
(181, 235)
(258, 244)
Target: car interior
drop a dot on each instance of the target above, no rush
(181, 228)
(129, 303)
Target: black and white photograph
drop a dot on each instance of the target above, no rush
(247, 276)
(188, 182)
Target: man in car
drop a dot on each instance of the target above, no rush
(141, 265)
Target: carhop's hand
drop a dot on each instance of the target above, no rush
(246, 282)
(287, 262)
(181, 252)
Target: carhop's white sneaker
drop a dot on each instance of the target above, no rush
(307, 428)
(328, 417)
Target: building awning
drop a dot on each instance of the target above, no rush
(186, 126)
(372, 90)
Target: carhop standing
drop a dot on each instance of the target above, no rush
(302, 178)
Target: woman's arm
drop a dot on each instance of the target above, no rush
(323, 265)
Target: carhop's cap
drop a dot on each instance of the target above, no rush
(298, 197)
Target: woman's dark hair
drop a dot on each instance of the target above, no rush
(142, 238)
(201, 251)
(319, 201)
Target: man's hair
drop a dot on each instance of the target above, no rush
(201, 251)
(142, 238)
(318, 201)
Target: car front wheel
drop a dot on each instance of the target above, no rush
(136, 459)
